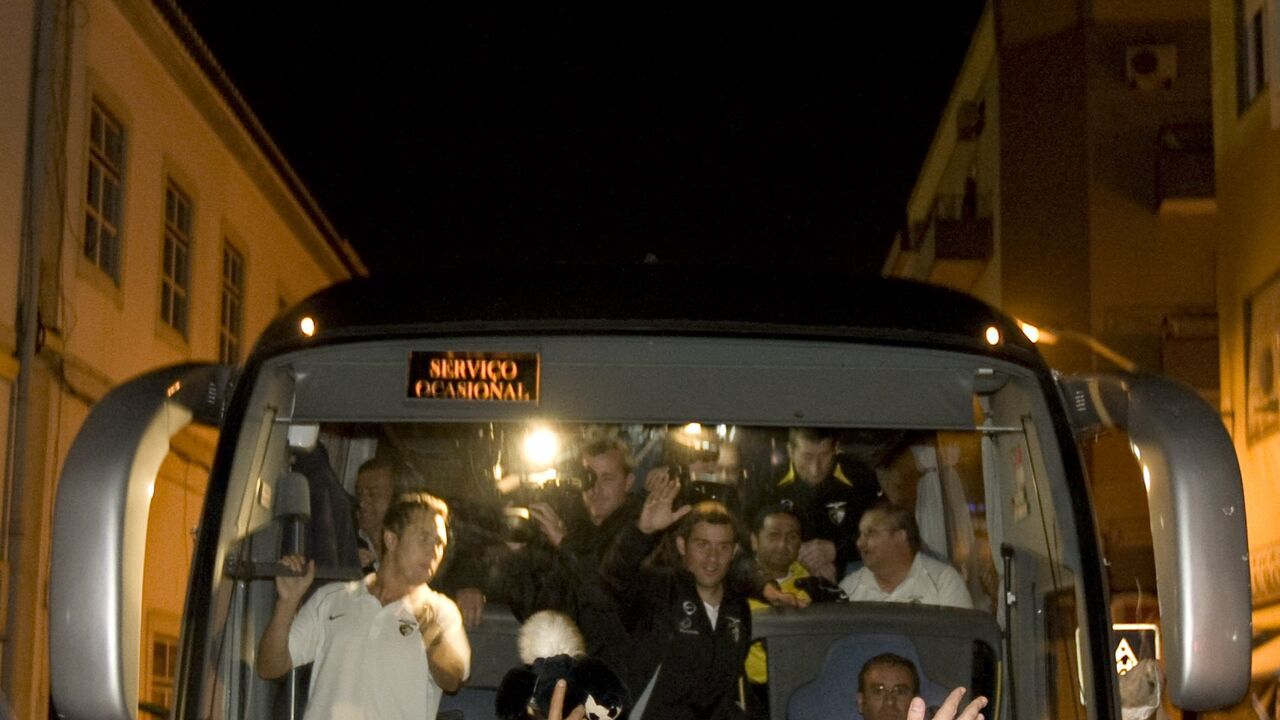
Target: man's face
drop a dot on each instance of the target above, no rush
(726, 468)
(813, 461)
(418, 550)
(777, 544)
(729, 465)
(373, 497)
(613, 483)
(882, 545)
(708, 552)
(886, 693)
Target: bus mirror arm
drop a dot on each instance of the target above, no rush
(100, 529)
(1196, 503)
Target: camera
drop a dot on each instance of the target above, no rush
(696, 487)
(518, 524)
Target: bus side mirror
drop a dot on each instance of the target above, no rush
(100, 531)
(1196, 500)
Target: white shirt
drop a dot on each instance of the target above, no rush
(928, 582)
(370, 661)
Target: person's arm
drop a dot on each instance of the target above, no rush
(820, 557)
(448, 651)
(621, 563)
(274, 659)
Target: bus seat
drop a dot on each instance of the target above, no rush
(950, 646)
(834, 693)
(332, 532)
(493, 653)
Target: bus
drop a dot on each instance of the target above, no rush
(455, 370)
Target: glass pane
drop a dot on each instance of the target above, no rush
(111, 200)
(114, 147)
(95, 183)
(95, 129)
(180, 265)
(108, 259)
(90, 236)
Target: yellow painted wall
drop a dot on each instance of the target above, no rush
(124, 54)
(1144, 265)
(166, 137)
(1248, 176)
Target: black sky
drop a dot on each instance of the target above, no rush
(781, 136)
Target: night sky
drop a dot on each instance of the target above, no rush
(786, 137)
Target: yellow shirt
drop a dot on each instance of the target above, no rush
(757, 662)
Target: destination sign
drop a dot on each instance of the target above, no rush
(474, 376)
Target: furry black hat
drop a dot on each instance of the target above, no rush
(552, 648)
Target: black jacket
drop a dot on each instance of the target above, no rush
(700, 665)
(832, 509)
(567, 579)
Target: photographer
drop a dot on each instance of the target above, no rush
(712, 471)
(558, 567)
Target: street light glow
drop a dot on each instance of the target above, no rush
(1031, 331)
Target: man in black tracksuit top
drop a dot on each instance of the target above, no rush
(686, 625)
(829, 493)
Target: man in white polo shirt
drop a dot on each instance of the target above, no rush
(894, 569)
(385, 646)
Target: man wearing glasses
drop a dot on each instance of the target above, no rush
(894, 569)
(885, 687)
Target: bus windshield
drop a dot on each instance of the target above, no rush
(908, 493)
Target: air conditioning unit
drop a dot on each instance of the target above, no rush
(1151, 67)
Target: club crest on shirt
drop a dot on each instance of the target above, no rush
(689, 608)
(735, 629)
(686, 626)
(836, 511)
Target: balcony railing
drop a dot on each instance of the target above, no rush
(961, 227)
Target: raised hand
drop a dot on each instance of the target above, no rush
(550, 522)
(972, 711)
(658, 512)
(291, 588)
(555, 711)
(655, 477)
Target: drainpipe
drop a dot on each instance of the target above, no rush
(43, 203)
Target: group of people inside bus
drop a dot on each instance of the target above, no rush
(661, 589)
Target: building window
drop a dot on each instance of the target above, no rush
(164, 669)
(175, 272)
(231, 318)
(103, 198)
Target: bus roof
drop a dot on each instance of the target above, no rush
(650, 299)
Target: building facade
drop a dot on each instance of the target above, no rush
(146, 219)
(1246, 123)
(1071, 183)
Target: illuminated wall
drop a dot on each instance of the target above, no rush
(1060, 146)
(148, 74)
(1248, 176)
